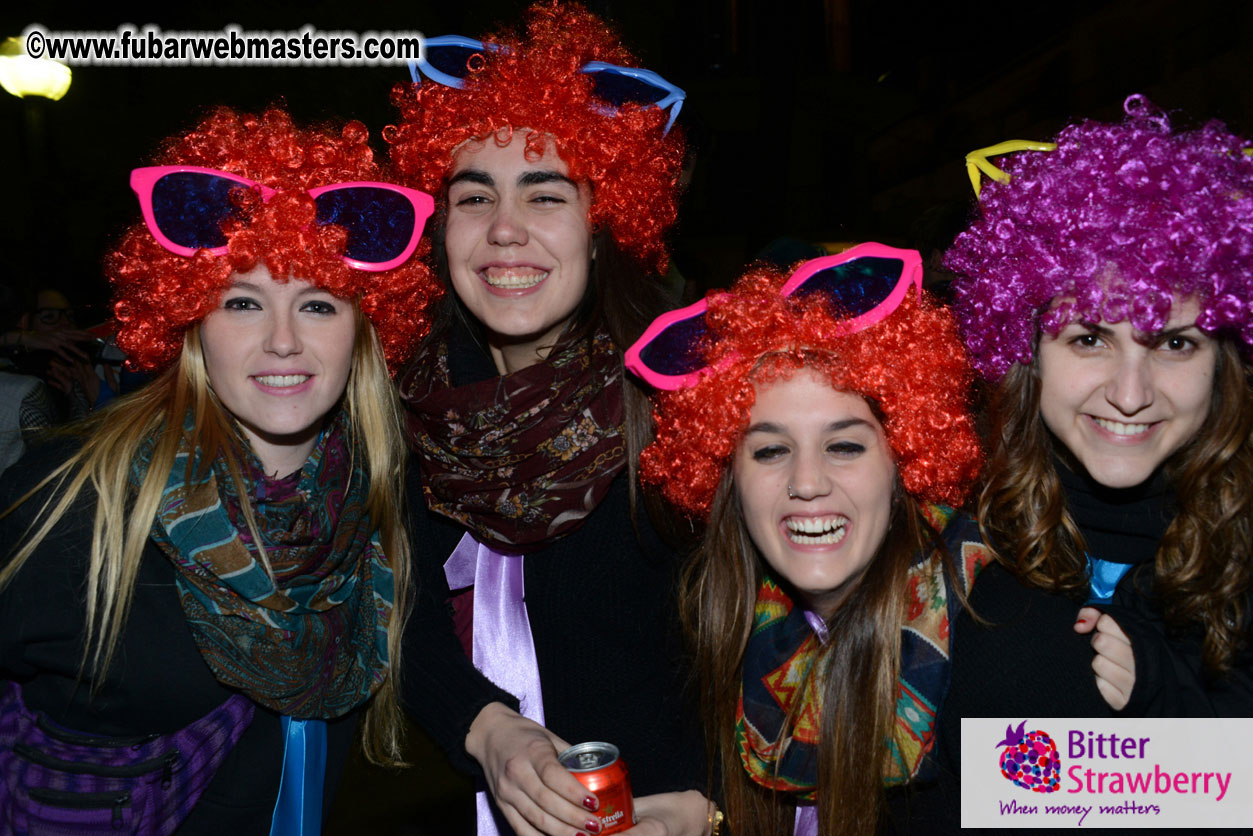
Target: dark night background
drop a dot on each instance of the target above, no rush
(823, 120)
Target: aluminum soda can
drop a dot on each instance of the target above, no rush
(600, 768)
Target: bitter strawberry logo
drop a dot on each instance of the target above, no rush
(1030, 759)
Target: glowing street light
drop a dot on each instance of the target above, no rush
(24, 76)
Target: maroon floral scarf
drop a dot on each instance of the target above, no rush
(519, 459)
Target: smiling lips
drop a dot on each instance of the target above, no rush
(816, 531)
(281, 381)
(514, 277)
(1119, 428)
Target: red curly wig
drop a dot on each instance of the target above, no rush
(911, 367)
(158, 295)
(535, 85)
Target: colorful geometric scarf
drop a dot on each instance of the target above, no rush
(522, 458)
(308, 639)
(782, 649)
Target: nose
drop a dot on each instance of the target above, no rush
(1130, 387)
(282, 337)
(810, 479)
(507, 226)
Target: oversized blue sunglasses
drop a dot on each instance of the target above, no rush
(449, 60)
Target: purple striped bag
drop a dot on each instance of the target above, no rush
(58, 782)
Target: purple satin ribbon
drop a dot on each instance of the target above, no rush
(818, 625)
(806, 821)
(807, 814)
(504, 650)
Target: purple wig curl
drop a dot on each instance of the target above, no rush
(1119, 220)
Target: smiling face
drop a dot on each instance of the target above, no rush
(278, 355)
(1123, 401)
(519, 245)
(826, 449)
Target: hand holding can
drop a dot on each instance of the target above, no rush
(600, 768)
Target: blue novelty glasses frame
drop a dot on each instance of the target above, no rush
(448, 60)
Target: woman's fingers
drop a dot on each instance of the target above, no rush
(1114, 662)
(1086, 618)
(531, 787)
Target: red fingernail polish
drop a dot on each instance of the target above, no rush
(590, 802)
(592, 826)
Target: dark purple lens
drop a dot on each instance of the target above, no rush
(189, 208)
(380, 222)
(620, 89)
(855, 287)
(451, 59)
(677, 350)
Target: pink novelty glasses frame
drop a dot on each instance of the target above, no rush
(868, 282)
(144, 182)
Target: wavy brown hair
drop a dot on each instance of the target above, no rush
(1202, 569)
(859, 668)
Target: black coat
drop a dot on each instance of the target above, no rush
(157, 683)
(602, 608)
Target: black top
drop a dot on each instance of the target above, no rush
(1028, 661)
(157, 682)
(602, 608)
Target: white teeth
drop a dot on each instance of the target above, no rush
(1119, 428)
(816, 530)
(280, 381)
(513, 279)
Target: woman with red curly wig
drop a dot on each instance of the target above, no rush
(203, 587)
(1105, 290)
(818, 426)
(556, 188)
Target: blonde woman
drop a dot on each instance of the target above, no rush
(203, 588)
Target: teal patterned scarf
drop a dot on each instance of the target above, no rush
(310, 640)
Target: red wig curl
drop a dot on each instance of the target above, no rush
(535, 85)
(158, 295)
(911, 367)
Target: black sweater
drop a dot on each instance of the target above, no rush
(1029, 662)
(157, 682)
(602, 608)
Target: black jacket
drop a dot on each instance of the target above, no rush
(157, 682)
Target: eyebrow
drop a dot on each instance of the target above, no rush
(528, 178)
(779, 429)
(539, 178)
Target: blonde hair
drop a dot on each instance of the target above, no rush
(112, 440)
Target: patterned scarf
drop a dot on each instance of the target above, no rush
(310, 641)
(522, 458)
(783, 647)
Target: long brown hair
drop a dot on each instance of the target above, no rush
(859, 668)
(1202, 568)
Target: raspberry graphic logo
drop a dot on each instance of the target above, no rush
(1030, 759)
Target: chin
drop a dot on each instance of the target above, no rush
(1121, 474)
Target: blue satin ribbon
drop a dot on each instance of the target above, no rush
(298, 810)
(1103, 578)
(504, 649)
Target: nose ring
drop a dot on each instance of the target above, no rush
(790, 493)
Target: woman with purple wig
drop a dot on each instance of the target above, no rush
(1106, 290)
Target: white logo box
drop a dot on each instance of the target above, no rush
(1123, 772)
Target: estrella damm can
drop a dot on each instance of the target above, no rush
(600, 768)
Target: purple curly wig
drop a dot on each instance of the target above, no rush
(1119, 220)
